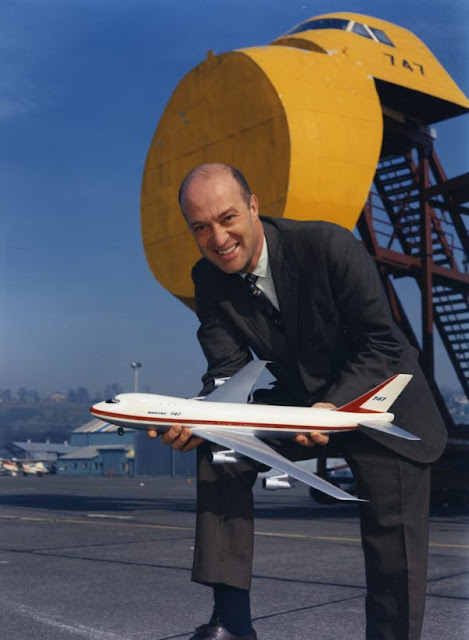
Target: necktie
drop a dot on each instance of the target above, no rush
(262, 300)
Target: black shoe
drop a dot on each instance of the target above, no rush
(214, 630)
(214, 620)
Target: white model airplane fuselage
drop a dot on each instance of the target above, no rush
(223, 418)
(148, 411)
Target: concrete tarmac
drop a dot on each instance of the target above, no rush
(110, 559)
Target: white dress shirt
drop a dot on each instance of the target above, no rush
(265, 281)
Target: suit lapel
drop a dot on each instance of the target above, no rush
(285, 277)
(243, 306)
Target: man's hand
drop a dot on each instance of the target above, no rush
(315, 437)
(177, 437)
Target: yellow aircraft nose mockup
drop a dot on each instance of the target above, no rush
(303, 120)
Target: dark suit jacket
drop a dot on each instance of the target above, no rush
(338, 341)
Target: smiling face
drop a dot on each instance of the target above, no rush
(226, 228)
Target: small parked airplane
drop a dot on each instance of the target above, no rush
(34, 468)
(224, 419)
(25, 467)
(9, 467)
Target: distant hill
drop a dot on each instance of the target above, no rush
(40, 420)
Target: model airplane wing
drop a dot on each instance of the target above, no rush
(252, 447)
(238, 387)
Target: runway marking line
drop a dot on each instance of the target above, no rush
(58, 623)
(273, 534)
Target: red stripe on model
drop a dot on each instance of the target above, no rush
(218, 423)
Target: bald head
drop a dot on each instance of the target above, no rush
(209, 170)
(223, 217)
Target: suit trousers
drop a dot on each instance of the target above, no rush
(394, 527)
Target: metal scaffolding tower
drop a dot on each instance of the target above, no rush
(415, 223)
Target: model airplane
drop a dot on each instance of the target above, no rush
(224, 419)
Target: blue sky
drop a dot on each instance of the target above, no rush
(83, 84)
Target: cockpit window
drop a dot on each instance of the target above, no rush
(377, 35)
(323, 23)
(381, 36)
(361, 30)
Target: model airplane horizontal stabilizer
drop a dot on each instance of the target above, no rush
(388, 427)
(225, 419)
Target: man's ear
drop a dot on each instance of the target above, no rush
(254, 207)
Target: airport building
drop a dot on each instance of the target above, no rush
(97, 449)
(48, 452)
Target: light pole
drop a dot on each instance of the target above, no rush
(136, 366)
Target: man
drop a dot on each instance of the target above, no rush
(330, 338)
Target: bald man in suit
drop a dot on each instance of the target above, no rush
(333, 341)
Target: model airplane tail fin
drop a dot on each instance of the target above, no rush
(380, 398)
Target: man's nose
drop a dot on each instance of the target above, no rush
(219, 235)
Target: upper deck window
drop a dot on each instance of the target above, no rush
(323, 23)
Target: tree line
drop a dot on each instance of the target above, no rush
(76, 395)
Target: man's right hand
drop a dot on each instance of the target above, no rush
(177, 437)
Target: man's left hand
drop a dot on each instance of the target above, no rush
(177, 437)
(315, 437)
